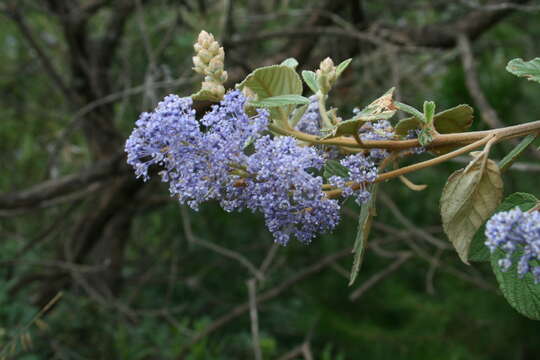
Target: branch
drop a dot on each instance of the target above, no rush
(471, 80)
(443, 35)
(14, 14)
(68, 184)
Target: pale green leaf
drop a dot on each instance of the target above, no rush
(290, 62)
(281, 100)
(275, 80)
(342, 66)
(468, 199)
(310, 78)
(205, 95)
(527, 69)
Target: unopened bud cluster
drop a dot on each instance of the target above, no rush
(326, 75)
(208, 61)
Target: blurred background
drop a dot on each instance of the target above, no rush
(95, 264)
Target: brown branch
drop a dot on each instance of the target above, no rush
(51, 189)
(473, 85)
(443, 35)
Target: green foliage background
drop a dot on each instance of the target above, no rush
(172, 288)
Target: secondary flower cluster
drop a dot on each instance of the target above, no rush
(516, 232)
(226, 156)
(310, 122)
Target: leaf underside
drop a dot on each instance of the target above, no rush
(467, 201)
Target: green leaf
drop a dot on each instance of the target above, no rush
(281, 100)
(468, 199)
(204, 95)
(380, 109)
(456, 119)
(275, 80)
(522, 294)
(410, 110)
(453, 120)
(310, 78)
(333, 167)
(512, 156)
(527, 69)
(342, 66)
(478, 250)
(429, 111)
(290, 62)
(367, 211)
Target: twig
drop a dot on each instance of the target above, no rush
(489, 115)
(379, 276)
(251, 284)
(188, 233)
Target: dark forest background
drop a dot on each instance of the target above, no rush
(95, 264)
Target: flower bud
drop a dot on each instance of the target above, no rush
(326, 75)
(205, 56)
(327, 65)
(209, 61)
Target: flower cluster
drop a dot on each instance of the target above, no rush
(516, 231)
(361, 170)
(286, 192)
(196, 163)
(225, 157)
(377, 130)
(310, 122)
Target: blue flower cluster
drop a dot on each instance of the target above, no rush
(286, 192)
(310, 122)
(512, 231)
(361, 170)
(377, 130)
(212, 159)
(197, 164)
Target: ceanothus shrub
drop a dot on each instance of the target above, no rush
(264, 147)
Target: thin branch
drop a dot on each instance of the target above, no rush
(252, 291)
(51, 189)
(190, 236)
(489, 115)
(372, 281)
